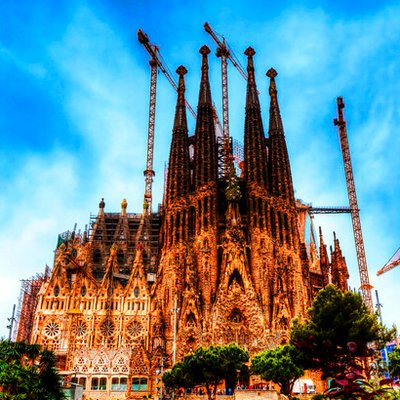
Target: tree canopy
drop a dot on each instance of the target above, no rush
(207, 367)
(338, 330)
(28, 372)
(338, 334)
(282, 365)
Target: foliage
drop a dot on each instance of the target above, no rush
(394, 366)
(282, 365)
(207, 367)
(337, 338)
(339, 331)
(27, 372)
(356, 387)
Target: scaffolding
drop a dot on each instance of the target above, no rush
(27, 303)
(105, 234)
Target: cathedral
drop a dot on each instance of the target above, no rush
(224, 259)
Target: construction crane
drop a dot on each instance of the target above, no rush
(222, 45)
(157, 61)
(394, 261)
(355, 215)
(223, 53)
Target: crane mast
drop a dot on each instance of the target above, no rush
(223, 53)
(355, 216)
(149, 172)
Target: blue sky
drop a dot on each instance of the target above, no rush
(74, 110)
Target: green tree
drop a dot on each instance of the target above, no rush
(207, 367)
(282, 365)
(338, 335)
(28, 372)
(394, 366)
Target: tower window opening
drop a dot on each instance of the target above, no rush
(120, 257)
(96, 256)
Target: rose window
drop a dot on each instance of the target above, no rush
(81, 328)
(107, 328)
(135, 328)
(51, 329)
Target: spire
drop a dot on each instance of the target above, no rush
(255, 156)
(324, 259)
(178, 181)
(180, 113)
(279, 166)
(340, 273)
(205, 147)
(205, 93)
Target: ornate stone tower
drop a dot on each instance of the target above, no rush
(234, 266)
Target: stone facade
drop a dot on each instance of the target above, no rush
(224, 260)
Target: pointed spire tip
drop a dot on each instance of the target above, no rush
(204, 50)
(249, 52)
(181, 70)
(271, 73)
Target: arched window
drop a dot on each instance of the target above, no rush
(236, 316)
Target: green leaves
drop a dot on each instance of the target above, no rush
(282, 365)
(339, 334)
(27, 372)
(394, 366)
(207, 367)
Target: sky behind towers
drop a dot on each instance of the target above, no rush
(74, 111)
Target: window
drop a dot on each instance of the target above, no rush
(139, 383)
(99, 383)
(119, 383)
(82, 381)
(96, 256)
(56, 290)
(120, 257)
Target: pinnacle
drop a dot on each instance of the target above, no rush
(249, 52)
(204, 50)
(181, 70)
(271, 73)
